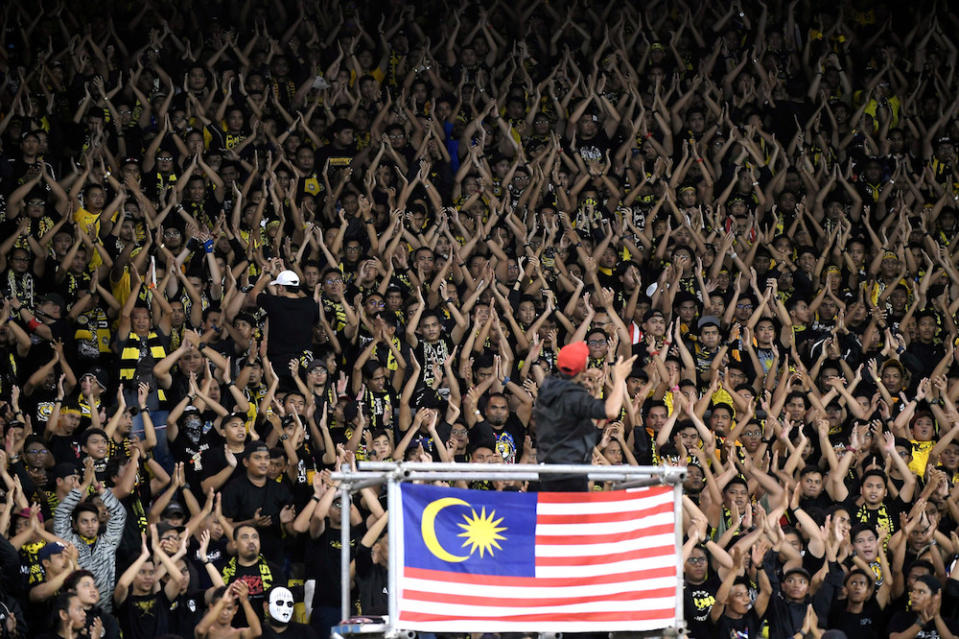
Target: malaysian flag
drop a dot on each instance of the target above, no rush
(478, 561)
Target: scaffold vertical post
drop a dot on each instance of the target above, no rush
(677, 486)
(394, 523)
(345, 548)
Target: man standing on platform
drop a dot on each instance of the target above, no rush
(566, 432)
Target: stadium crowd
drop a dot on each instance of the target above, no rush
(244, 243)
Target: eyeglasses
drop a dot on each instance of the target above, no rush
(458, 431)
(165, 158)
(744, 305)
(752, 433)
(376, 303)
(352, 249)
(596, 342)
(696, 560)
(36, 451)
(36, 202)
(334, 280)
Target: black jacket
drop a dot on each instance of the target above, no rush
(565, 432)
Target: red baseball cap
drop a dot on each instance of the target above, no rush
(572, 358)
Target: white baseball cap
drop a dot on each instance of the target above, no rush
(287, 278)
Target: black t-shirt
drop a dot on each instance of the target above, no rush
(594, 148)
(747, 627)
(189, 445)
(111, 629)
(291, 326)
(137, 505)
(65, 448)
(867, 624)
(821, 502)
(507, 440)
(372, 582)
(242, 498)
(698, 600)
(215, 552)
(429, 354)
(253, 576)
(213, 460)
(903, 619)
(338, 158)
(144, 616)
(887, 514)
(376, 405)
(293, 630)
(323, 565)
(39, 405)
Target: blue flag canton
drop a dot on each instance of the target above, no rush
(469, 531)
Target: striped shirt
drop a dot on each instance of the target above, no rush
(100, 556)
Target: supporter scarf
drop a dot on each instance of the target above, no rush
(21, 287)
(229, 571)
(882, 517)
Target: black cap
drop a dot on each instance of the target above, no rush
(164, 527)
(315, 363)
(796, 570)
(54, 548)
(99, 374)
(708, 320)
(173, 509)
(54, 298)
(255, 446)
(651, 313)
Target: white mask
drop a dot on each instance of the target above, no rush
(281, 605)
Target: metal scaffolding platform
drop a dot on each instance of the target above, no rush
(394, 474)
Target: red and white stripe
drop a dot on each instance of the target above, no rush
(604, 561)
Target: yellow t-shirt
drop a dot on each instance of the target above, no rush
(91, 222)
(378, 74)
(920, 456)
(894, 107)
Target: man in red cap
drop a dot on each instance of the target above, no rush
(564, 414)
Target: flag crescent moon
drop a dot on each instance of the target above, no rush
(428, 528)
